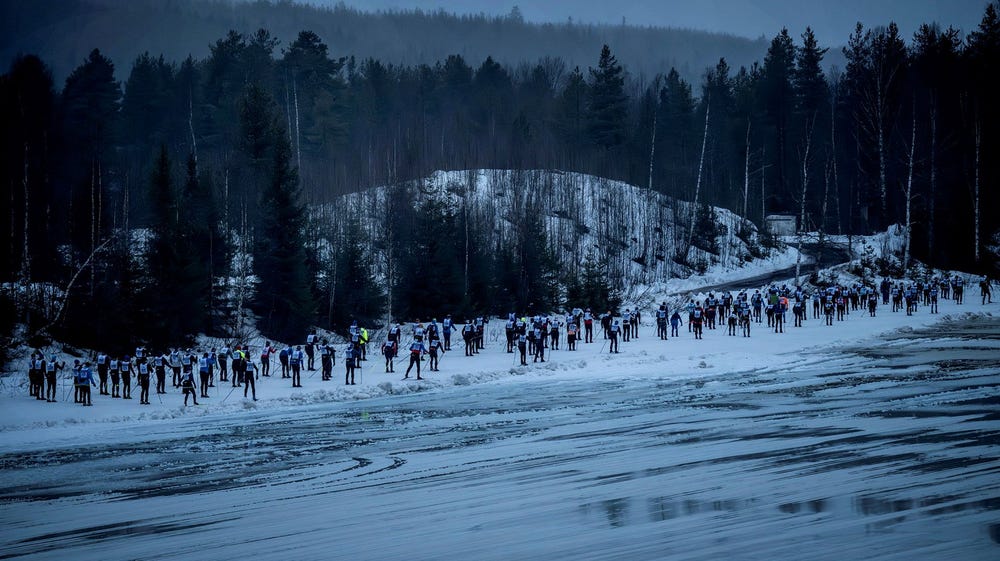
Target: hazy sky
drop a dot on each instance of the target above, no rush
(832, 20)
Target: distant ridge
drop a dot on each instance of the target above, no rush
(63, 32)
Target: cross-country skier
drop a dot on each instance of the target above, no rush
(417, 350)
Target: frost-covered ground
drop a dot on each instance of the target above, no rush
(875, 438)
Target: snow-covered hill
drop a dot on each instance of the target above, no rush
(641, 234)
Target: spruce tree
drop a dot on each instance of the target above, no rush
(284, 298)
(608, 108)
(356, 293)
(779, 101)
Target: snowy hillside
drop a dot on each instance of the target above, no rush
(639, 232)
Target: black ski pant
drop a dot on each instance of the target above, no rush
(144, 388)
(414, 359)
(50, 386)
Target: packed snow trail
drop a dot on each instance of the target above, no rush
(886, 449)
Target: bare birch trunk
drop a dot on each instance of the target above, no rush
(746, 172)
(975, 198)
(909, 189)
(802, 203)
(26, 258)
(933, 178)
(883, 190)
(298, 133)
(93, 222)
(833, 160)
(194, 141)
(697, 187)
(763, 208)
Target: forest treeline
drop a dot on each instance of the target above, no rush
(219, 157)
(64, 31)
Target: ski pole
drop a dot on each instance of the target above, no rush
(229, 394)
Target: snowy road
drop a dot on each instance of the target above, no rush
(885, 451)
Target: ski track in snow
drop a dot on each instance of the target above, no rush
(781, 446)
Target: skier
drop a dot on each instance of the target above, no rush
(75, 373)
(554, 335)
(389, 352)
(661, 321)
(588, 326)
(325, 360)
(538, 334)
(175, 366)
(758, 304)
(613, 336)
(36, 373)
(160, 369)
(468, 336)
(434, 348)
(364, 343)
(283, 357)
(350, 363)
(265, 359)
(115, 379)
(606, 323)
(571, 336)
(509, 333)
(675, 322)
(310, 350)
(626, 328)
(239, 356)
(103, 362)
(522, 346)
(249, 378)
(934, 299)
(731, 322)
(296, 361)
(695, 320)
(446, 328)
(126, 370)
(779, 315)
(188, 385)
(86, 380)
(51, 367)
(744, 313)
(144, 370)
(224, 356)
(203, 365)
(417, 350)
(984, 288)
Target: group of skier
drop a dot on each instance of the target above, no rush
(114, 374)
(527, 336)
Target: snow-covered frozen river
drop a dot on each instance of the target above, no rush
(883, 451)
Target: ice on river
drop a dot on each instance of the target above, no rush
(872, 439)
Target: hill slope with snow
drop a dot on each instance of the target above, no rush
(641, 234)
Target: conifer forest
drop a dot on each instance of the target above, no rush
(162, 196)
